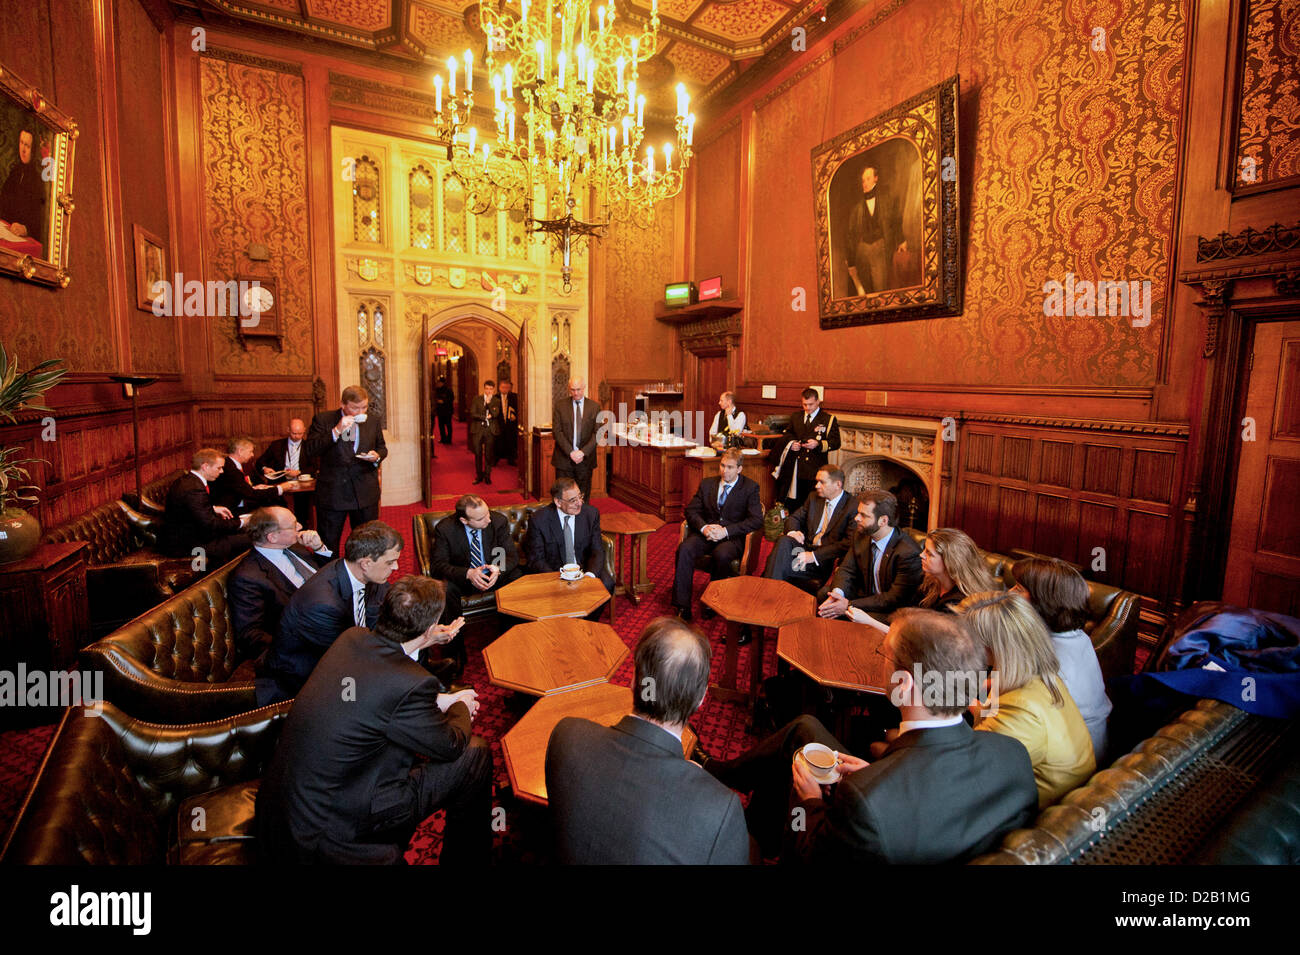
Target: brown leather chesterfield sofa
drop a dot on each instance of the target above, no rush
(178, 663)
(1112, 613)
(125, 574)
(113, 790)
(517, 516)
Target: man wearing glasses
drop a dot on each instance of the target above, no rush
(567, 533)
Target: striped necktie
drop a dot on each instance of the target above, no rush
(722, 498)
(821, 528)
(475, 549)
(359, 609)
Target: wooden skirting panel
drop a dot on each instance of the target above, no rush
(1109, 501)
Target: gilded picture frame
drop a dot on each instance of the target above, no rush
(36, 149)
(887, 215)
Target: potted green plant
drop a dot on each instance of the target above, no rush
(20, 532)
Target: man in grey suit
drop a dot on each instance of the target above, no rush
(625, 794)
(816, 536)
(573, 422)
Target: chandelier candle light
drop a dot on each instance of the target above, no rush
(577, 123)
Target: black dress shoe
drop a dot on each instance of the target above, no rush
(745, 635)
(487, 480)
(683, 612)
(707, 612)
(478, 480)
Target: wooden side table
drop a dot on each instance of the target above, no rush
(635, 528)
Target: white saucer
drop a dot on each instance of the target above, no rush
(571, 579)
(749, 450)
(834, 777)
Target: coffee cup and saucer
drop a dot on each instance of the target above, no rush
(570, 572)
(822, 762)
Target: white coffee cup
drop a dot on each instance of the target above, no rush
(570, 572)
(304, 477)
(821, 760)
(358, 418)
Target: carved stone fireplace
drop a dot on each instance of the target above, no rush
(875, 449)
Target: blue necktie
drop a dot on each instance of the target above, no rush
(726, 489)
(475, 549)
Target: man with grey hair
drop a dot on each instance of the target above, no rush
(573, 423)
(625, 794)
(233, 488)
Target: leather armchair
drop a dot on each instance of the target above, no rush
(517, 516)
(125, 575)
(154, 500)
(1113, 613)
(748, 560)
(115, 790)
(178, 663)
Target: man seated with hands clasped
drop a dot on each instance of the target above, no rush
(816, 535)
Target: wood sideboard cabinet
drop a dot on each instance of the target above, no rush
(44, 615)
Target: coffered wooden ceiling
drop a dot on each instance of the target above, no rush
(707, 44)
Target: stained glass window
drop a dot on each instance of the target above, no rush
(366, 201)
(454, 226)
(420, 183)
(517, 237)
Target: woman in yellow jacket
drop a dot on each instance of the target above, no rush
(1029, 700)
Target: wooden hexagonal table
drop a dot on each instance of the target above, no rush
(761, 603)
(544, 596)
(837, 653)
(524, 746)
(552, 656)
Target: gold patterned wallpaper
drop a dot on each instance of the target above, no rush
(255, 191)
(1069, 155)
(638, 263)
(1268, 136)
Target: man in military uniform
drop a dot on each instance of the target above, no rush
(812, 435)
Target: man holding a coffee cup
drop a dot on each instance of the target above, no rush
(939, 793)
(350, 446)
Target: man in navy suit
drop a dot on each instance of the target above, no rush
(568, 533)
(941, 792)
(354, 775)
(234, 489)
(573, 423)
(283, 558)
(344, 593)
(881, 570)
(193, 522)
(816, 535)
(286, 455)
(723, 510)
(473, 550)
(625, 794)
(350, 446)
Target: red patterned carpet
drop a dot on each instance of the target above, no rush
(525, 836)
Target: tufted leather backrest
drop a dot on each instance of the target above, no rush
(175, 663)
(109, 786)
(107, 529)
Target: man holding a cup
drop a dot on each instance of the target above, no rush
(350, 446)
(568, 536)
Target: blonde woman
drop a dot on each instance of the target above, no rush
(954, 569)
(1032, 703)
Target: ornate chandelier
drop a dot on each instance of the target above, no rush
(568, 118)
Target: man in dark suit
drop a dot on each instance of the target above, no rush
(234, 490)
(624, 794)
(816, 535)
(573, 423)
(567, 533)
(374, 745)
(484, 426)
(813, 434)
(882, 569)
(940, 792)
(444, 403)
(473, 551)
(283, 558)
(723, 510)
(284, 457)
(344, 593)
(873, 237)
(349, 446)
(191, 521)
(508, 439)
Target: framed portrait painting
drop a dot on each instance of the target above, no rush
(150, 267)
(36, 140)
(886, 207)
